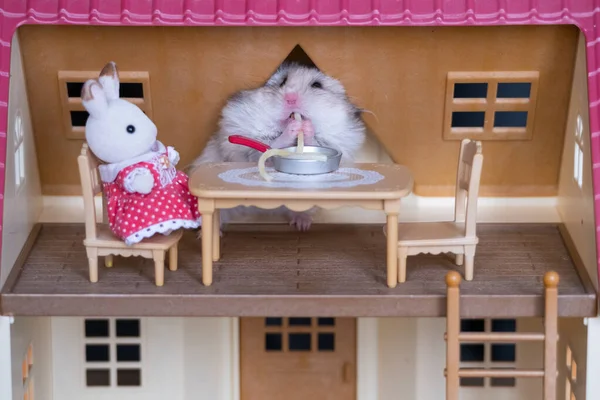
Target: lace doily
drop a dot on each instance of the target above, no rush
(341, 178)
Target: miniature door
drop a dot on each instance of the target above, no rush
(298, 358)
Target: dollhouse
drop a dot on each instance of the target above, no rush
(323, 314)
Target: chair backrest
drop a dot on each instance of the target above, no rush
(91, 185)
(468, 176)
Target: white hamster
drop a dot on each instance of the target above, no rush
(329, 119)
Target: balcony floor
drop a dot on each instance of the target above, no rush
(333, 270)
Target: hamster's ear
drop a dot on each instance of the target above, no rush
(93, 98)
(109, 79)
(278, 75)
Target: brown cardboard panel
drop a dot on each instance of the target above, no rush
(399, 73)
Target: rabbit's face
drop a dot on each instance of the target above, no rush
(116, 130)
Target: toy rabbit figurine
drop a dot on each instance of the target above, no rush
(145, 193)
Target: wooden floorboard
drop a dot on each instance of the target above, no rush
(333, 270)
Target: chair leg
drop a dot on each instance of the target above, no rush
(402, 255)
(108, 261)
(159, 267)
(173, 258)
(459, 259)
(92, 254)
(469, 262)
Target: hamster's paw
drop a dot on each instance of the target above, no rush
(302, 221)
(309, 132)
(293, 128)
(289, 135)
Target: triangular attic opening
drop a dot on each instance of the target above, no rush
(299, 56)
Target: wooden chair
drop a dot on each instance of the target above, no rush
(457, 236)
(454, 337)
(99, 239)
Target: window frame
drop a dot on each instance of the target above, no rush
(27, 372)
(19, 151)
(490, 104)
(578, 153)
(571, 374)
(315, 329)
(69, 104)
(487, 362)
(112, 365)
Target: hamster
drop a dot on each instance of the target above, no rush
(329, 119)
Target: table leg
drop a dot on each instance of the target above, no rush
(207, 237)
(391, 208)
(216, 236)
(392, 250)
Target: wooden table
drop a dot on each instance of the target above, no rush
(215, 193)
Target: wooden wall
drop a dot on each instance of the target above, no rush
(399, 73)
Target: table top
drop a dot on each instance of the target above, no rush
(357, 181)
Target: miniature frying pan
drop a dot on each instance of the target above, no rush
(293, 165)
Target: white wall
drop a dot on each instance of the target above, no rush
(412, 354)
(592, 386)
(209, 361)
(5, 359)
(193, 358)
(573, 333)
(576, 204)
(22, 205)
(162, 355)
(33, 331)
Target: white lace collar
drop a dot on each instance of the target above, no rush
(109, 172)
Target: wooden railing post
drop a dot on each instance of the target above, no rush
(454, 338)
(452, 331)
(551, 334)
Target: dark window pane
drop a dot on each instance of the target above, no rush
(273, 321)
(470, 90)
(471, 352)
(510, 119)
(326, 342)
(504, 325)
(273, 341)
(74, 89)
(515, 90)
(468, 119)
(128, 352)
(326, 321)
(79, 118)
(131, 90)
(96, 328)
(471, 382)
(503, 382)
(129, 377)
(300, 321)
(472, 325)
(97, 377)
(128, 328)
(299, 341)
(503, 352)
(97, 353)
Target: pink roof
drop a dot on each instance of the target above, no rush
(583, 13)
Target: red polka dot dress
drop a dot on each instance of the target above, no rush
(169, 205)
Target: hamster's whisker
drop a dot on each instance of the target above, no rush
(364, 110)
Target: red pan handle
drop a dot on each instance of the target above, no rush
(245, 141)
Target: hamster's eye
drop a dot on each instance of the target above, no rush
(130, 128)
(283, 82)
(317, 85)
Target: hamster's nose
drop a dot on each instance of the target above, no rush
(291, 99)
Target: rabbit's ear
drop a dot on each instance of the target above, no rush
(109, 78)
(93, 98)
